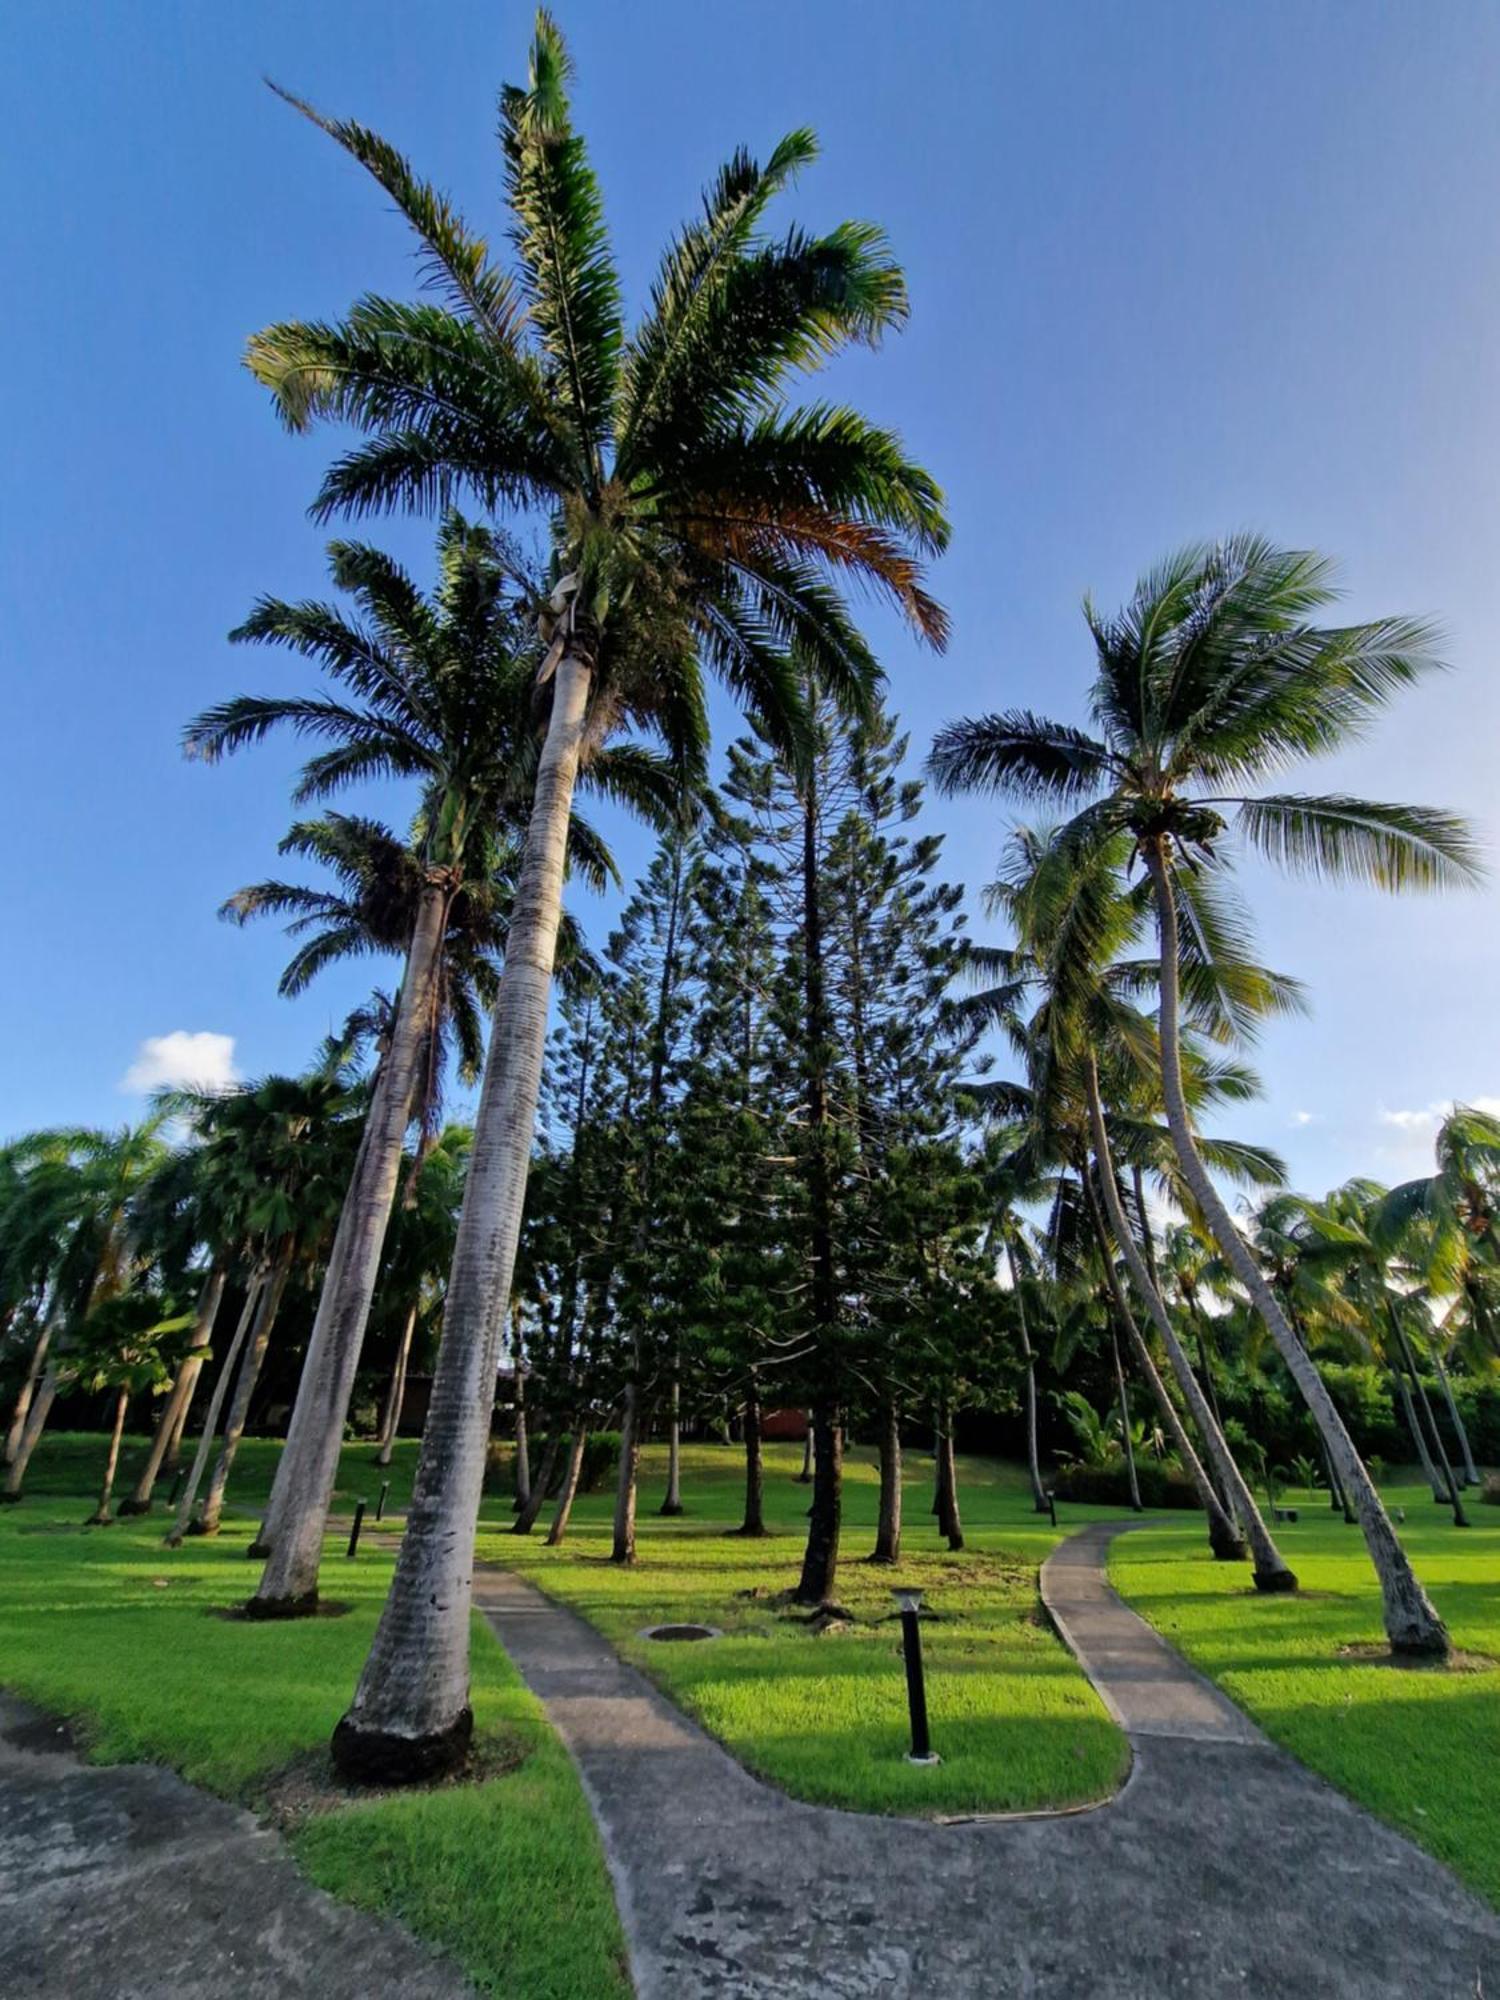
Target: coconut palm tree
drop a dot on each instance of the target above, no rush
(121, 1347)
(1212, 678)
(439, 689)
(1076, 918)
(96, 1187)
(698, 520)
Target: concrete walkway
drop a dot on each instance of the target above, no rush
(121, 1882)
(1223, 1867)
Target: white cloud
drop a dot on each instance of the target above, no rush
(1416, 1129)
(182, 1060)
(1306, 1118)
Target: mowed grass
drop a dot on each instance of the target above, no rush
(823, 1714)
(1417, 1747)
(105, 1626)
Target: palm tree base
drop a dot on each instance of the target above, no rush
(203, 1527)
(671, 1507)
(11, 1499)
(1272, 1581)
(1227, 1548)
(99, 1520)
(267, 1609)
(134, 1506)
(258, 1550)
(382, 1757)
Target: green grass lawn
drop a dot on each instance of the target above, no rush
(824, 1714)
(105, 1626)
(1418, 1748)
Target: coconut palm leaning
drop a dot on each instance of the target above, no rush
(438, 689)
(1212, 678)
(697, 520)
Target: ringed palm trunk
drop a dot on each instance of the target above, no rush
(888, 1529)
(536, 1499)
(391, 1422)
(1124, 1395)
(28, 1391)
(948, 1520)
(1224, 1538)
(1448, 1489)
(754, 1522)
(523, 1451)
(175, 1409)
(1471, 1471)
(622, 1549)
(673, 1502)
(297, 1516)
(101, 1516)
(1412, 1624)
(215, 1403)
(569, 1490)
(1272, 1573)
(410, 1715)
(244, 1390)
(36, 1423)
(1033, 1456)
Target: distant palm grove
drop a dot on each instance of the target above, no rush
(793, 1144)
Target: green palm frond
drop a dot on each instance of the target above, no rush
(1018, 752)
(1393, 847)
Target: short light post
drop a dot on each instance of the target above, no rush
(921, 1751)
(1052, 1505)
(385, 1487)
(359, 1522)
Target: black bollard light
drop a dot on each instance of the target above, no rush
(359, 1522)
(385, 1487)
(1052, 1506)
(921, 1751)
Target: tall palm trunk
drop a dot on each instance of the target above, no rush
(1272, 1573)
(523, 1448)
(754, 1522)
(1415, 1431)
(101, 1516)
(1447, 1490)
(297, 1516)
(227, 1367)
(949, 1522)
(1224, 1538)
(1471, 1470)
(174, 1410)
(888, 1527)
(536, 1499)
(36, 1423)
(390, 1423)
(804, 1477)
(1412, 1625)
(673, 1502)
(244, 1389)
(34, 1368)
(569, 1489)
(1033, 1456)
(1124, 1396)
(410, 1715)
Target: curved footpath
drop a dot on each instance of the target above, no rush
(1222, 1867)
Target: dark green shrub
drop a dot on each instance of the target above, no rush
(1489, 1493)
(1109, 1485)
(601, 1459)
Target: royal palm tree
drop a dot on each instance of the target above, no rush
(1212, 678)
(438, 689)
(697, 520)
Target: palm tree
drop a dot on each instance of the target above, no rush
(696, 520)
(96, 1183)
(1075, 918)
(1213, 677)
(120, 1347)
(426, 1222)
(438, 689)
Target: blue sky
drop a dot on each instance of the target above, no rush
(1174, 270)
